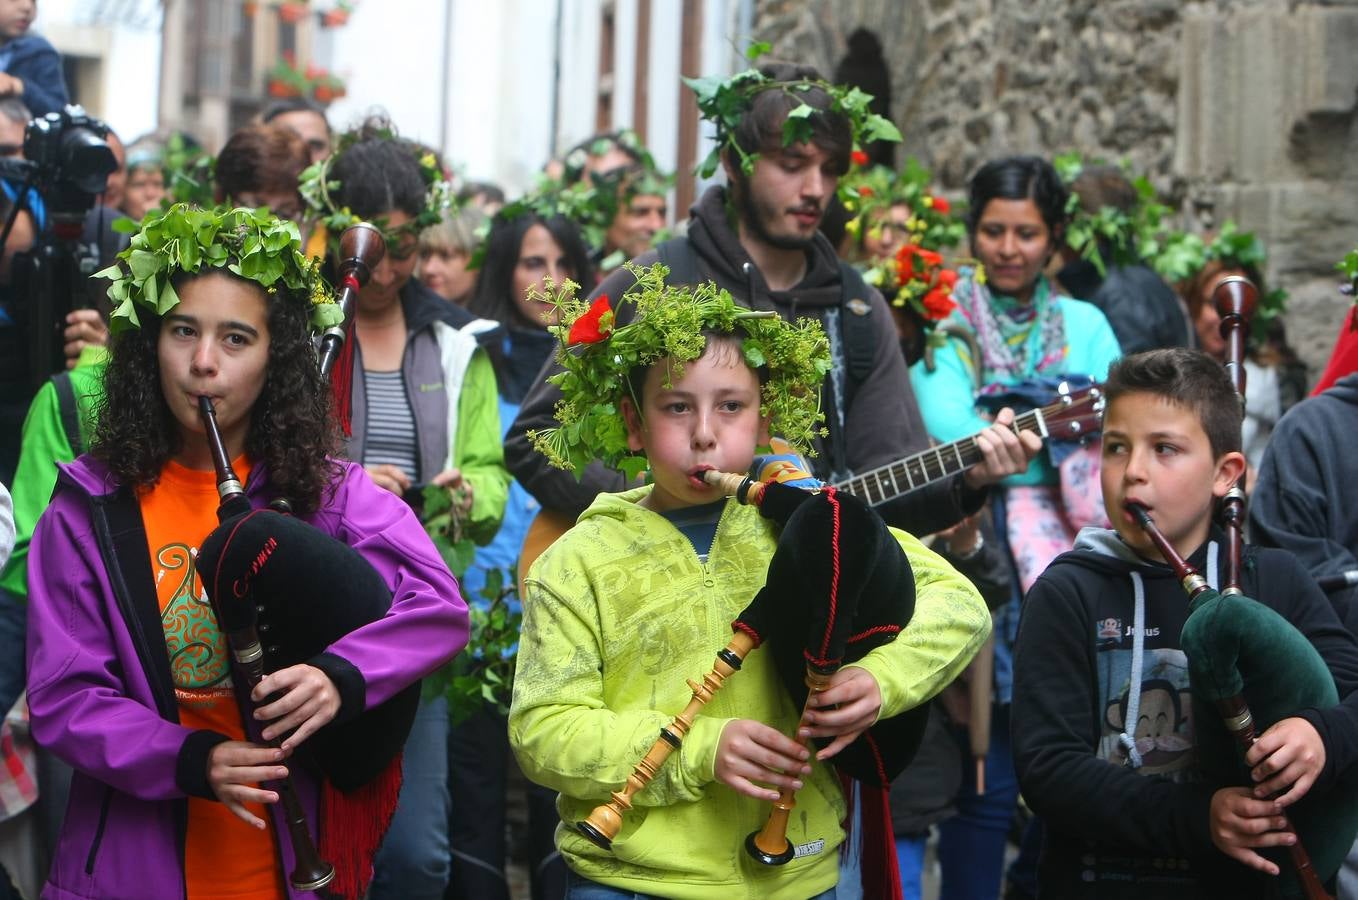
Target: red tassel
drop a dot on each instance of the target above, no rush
(880, 870)
(342, 382)
(352, 828)
(342, 377)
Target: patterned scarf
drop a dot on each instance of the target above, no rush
(1017, 340)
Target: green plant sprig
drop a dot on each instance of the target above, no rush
(667, 322)
(483, 674)
(251, 243)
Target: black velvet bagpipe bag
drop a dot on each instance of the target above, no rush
(302, 590)
(838, 585)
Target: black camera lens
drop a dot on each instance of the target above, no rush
(86, 160)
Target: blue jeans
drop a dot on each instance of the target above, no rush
(910, 860)
(413, 861)
(971, 843)
(581, 888)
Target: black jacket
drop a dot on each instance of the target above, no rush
(1113, 831)
(1145, 312)
(882, 423)
(1302, 501)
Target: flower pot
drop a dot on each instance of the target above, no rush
(292, 13)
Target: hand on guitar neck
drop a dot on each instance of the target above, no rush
(1004, 449)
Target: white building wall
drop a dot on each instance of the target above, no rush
(128, 57)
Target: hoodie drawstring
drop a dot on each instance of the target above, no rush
(1126, 739)
(1134, 683)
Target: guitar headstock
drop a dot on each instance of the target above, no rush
(1077, 414)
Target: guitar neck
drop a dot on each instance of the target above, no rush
(888, 482)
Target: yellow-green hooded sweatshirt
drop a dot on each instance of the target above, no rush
(618, 613)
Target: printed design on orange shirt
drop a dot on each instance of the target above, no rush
(199, 664)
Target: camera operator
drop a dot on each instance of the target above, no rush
(47, 319)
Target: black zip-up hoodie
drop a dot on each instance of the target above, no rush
(1112, 830)
(882, 424)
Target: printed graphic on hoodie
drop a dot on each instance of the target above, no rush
(1163, 731)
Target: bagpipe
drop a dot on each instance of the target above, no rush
(283, 591)
(838, 585)
(1249, 667)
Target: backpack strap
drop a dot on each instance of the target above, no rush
(70, 412)
(858, 329)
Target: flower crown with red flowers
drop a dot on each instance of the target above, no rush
(667, 323)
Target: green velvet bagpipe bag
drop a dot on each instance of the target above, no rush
(1239, 646)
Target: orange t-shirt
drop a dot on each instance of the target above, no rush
(223, 857)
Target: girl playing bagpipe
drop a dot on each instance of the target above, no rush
(129, 677)
(642, 592)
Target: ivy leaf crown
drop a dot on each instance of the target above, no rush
(725, 102)
(251, 243)
(318, 189)
(667, 322)
(1145, 234)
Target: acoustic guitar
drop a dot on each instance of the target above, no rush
(1074, 415)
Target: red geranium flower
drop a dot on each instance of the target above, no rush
(938, 302)
(942, 206)
(859, 158)
(864, 191)
(947, 278)
(593, 326)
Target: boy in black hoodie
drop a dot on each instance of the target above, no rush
(1102, 725)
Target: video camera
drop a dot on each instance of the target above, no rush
(68, 162)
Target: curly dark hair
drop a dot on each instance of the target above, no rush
(292, 427)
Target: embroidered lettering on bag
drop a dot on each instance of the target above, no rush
(430, 388)
(810, 849)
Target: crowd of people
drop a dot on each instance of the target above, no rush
(516, 440)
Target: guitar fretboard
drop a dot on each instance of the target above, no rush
(888, 482)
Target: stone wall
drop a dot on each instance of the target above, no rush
(1239, 109)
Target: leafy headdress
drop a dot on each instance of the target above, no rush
(318, 188)
(597, 354)
(251, 243)
(590, 199)
(725, 102)
(1145, 234)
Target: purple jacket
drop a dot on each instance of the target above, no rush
(93, 699)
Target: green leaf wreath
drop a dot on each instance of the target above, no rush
(317, 188)
(724, 102)
(1146, 235)
(251, 243)
(667, 321)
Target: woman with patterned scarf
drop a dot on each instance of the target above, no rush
(1027, 338)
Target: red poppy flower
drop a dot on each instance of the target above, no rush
(864, 191)
(942, 206)
(859, 158)
(593, 326)
(938, 302)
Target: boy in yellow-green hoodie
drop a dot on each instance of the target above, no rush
(641, 593)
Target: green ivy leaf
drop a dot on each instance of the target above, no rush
(757, 49)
